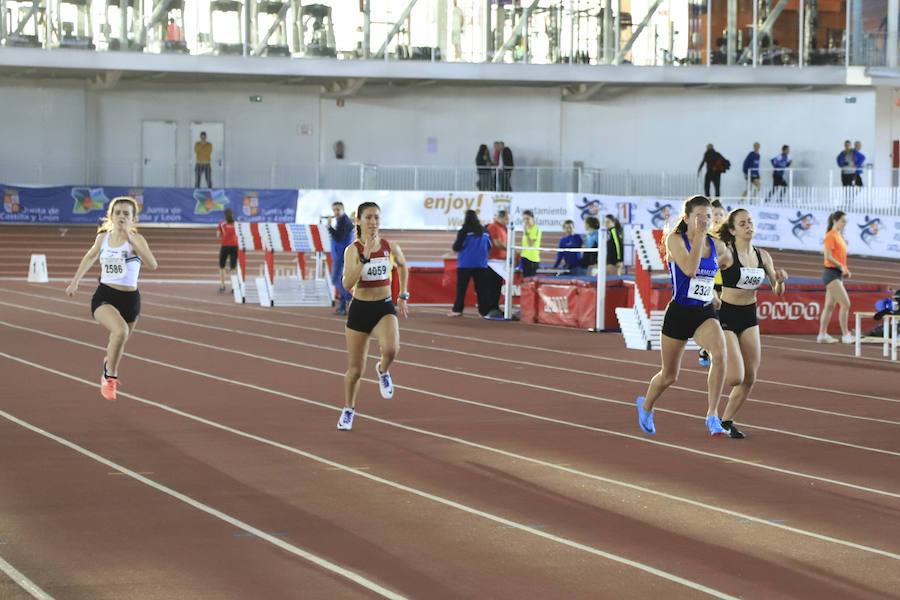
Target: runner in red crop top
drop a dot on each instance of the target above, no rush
(368, 269)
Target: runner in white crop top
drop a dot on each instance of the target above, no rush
(116, 303)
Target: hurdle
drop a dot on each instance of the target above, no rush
(283, 287)
(641, 327)
(890, 336)
(511, 248)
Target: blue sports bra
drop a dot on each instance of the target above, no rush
(696, 290)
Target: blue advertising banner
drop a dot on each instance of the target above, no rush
(71, 205)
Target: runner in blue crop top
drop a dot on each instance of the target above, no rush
(694, 291)
(694, 257)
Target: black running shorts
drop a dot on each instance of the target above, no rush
(127, 303)
(364, 315)
(737, 318)
(682, 321)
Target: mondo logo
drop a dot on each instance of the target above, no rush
(783, 311)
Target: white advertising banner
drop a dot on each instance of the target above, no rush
(776, 226)
(439, 210)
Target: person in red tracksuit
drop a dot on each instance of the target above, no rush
(228, 252)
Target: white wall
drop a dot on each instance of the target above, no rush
(887, 129)
(257, 134)
(394, 129)
(648, 130)
(42, 134)
(668, 130)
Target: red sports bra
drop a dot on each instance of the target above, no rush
(376, 272)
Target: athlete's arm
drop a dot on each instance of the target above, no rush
(87, 261)
(688, 262)
(403, 272)
(777, 277)
(142, 249)
(352, 267)
(726, 259)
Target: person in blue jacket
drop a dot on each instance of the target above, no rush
(780, 163)
(340, 226)
(572, 260)
(751, 171)
(859, 159)
(473, 243)
(846, 160)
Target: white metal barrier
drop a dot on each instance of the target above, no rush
(600, 250)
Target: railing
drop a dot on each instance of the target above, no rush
(810, 189)
(559, 32)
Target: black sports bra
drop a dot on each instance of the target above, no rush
(741, 277)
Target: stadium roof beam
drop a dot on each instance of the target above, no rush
(35, 7)
(637, 33)
(516, 32)
(396, 28)
(582, 92)
(156, 16)
(765, 28)
(279, 19)
(343, 90)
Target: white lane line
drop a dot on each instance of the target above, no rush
(641, 438)
(23, 582)
(517, 362)
(433, 334)
(464, 442)
(339, 466)
(553, 390)
(296, 551)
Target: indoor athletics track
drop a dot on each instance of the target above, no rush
(509, 463)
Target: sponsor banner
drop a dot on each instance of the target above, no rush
(70, 205)
(440, 210)
(799, 311)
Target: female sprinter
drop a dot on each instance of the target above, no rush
(737, 314)
(718, 217)
(694, 257)
(228, 249)
(367, 271)
(834, 274)
(116, 303)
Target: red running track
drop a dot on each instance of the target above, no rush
(508, 465)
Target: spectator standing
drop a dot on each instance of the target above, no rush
(340, 226)
(473, 244)
(570, 260)
(615, 255)
(591, 240)
(531, 240)
(779, 164)
(859, 160)
(716, 164)
(751, 172)
(203, 161)
(173, 32)
(484, 166)
(506, 168)
(846, 160)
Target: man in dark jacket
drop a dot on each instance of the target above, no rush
(751, 172)
(506, 167)
(716, 164)
(341, 236)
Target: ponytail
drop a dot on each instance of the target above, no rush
(834, 218)
(724, 230)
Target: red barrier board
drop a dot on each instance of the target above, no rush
(556, 304)
(528, 301)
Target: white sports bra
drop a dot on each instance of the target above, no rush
(119, 266)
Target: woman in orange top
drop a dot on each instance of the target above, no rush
(834, 274)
